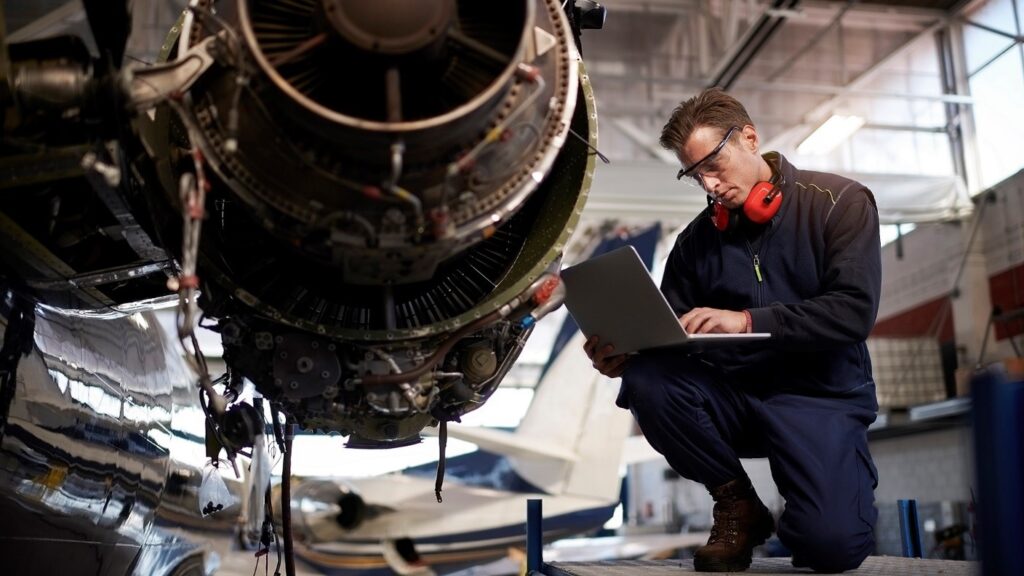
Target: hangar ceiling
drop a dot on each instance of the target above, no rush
(792, 62)
(653, 53)
(782, 58)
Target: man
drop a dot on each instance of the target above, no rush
(800, 260)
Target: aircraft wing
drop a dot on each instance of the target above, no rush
(506, 443)
(637, 450)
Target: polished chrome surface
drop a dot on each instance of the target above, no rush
(87, 474)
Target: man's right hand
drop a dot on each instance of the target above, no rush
(605, 361)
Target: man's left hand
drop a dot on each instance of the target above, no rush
(713, 320)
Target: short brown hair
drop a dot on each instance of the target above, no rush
(712, 107)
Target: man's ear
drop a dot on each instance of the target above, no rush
(751, 138)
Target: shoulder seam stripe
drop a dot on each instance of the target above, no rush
(831, 196)
(824, 190)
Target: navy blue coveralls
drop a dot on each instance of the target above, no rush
(811, 277)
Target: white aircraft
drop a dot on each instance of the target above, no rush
(565, 451)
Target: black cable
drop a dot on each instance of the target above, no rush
(268, 504)
(137, 59)
(591, 146)
(277, 546)
(442, 441)
(286, 500)
(275, 415)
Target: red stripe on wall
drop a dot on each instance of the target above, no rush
(1006, 290)
(921, 320)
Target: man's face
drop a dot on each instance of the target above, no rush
(728, 174)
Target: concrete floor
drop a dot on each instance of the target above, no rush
(241, 563)
(873, 566)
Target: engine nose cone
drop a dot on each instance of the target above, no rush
(390, 27)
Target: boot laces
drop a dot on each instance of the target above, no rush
(726, 526)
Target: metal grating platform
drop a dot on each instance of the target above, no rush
(873, 566)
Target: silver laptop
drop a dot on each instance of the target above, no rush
(612, 296)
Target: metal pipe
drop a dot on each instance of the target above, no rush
(954, 114)
(836, 21)
(910, 532)
(727, 59)
(1017, 39)
(749, 51)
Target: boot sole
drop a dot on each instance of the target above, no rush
(735, 564)
(716, 565)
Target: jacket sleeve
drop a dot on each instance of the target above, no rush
(844, 312)
(679, 284)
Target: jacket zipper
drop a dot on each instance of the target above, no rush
(766, 235)
(756, 258)
(758, 301)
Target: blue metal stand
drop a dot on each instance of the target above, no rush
(534, 537)
(910, 530)
(999, 456)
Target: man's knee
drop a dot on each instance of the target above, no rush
(654, 385)
(825, 544)
(642, 381)
(642, 368)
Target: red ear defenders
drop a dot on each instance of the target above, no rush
(761, 204)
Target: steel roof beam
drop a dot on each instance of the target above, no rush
(50, 24)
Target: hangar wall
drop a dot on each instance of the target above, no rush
(922, 295)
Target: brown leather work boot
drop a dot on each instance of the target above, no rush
(741, 523)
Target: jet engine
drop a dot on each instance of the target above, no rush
(367, 200)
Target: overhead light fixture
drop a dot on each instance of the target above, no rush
(830, 134)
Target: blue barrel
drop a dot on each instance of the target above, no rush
(998, 405)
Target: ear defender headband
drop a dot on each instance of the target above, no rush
(761, 204)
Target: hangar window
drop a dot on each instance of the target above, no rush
(994, 56)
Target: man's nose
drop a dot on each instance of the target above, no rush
(711, 184)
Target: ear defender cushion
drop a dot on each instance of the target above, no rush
(762, 203)
(720, 216)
